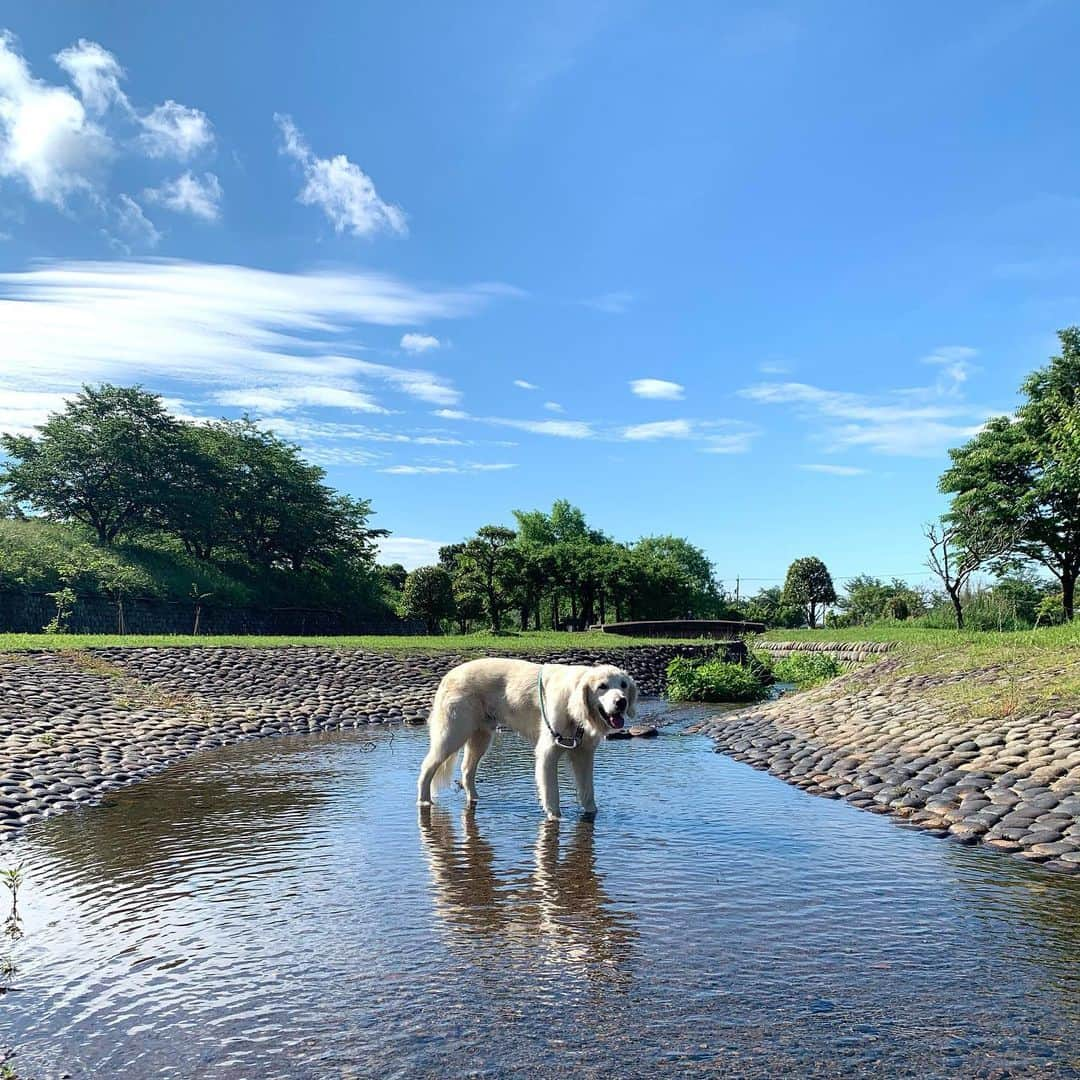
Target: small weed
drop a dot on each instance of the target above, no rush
(47, 739)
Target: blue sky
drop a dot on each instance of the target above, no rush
(735, 271)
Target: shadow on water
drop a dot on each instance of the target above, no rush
(280, 909)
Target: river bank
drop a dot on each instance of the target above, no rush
(972, 746)
(75, 725)
(976, 751)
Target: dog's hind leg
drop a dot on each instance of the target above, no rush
(478, 742)
(450, 725)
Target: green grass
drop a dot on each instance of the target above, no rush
(1011, 673)
(508, 643)
(1050, 637)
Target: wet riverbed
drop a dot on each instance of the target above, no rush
(281, 909)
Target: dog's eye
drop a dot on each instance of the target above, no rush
(603, 686)
(624, 684)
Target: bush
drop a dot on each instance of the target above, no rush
(712, 680)
(805, 669)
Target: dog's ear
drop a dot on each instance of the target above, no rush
(631, 699)
(579, 706)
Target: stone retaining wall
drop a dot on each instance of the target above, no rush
(74, 726)
(846, 651)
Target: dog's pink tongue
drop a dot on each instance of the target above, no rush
(615, 721)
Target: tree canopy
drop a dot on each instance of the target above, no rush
(809, 585)
(1021, 474)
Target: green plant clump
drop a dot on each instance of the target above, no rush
(805, 669)
(712, 680)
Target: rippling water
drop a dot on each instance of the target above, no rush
(280, 909)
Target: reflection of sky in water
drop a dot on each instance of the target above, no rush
(281, 909)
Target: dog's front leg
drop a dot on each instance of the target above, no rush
(581, 760)
(547, 778)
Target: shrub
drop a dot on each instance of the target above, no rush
(805, 669)
(712, 680)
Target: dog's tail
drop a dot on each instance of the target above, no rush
(444, 773)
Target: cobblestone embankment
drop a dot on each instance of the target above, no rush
(897, 744)
(74, 726)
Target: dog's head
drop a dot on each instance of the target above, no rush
(605, 698)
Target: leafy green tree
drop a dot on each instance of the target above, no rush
(429, 595)
(489, 564)
(1021, 474)
(106, 461)
(809, 585)
(678, 578)
(396, 575)
(769, 606)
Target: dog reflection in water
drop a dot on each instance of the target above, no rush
(560, 907)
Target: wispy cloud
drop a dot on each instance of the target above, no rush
(281, 345)
(521, 384)
(448, 467)
(912, 422)
(711, 436)
(659, 389)
(563, 429)
(188, 194)
(419, 343)
(339, 187)
(835, 470)
(553, 406)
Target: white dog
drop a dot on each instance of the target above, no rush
(560, 708)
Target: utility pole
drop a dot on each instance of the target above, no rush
(736, 591)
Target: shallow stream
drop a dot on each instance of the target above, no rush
(281, 909)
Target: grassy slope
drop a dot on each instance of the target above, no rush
(507, 643)
(1010, 673)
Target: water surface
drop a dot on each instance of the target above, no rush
(281, 909)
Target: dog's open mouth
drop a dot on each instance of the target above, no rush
(613, 720)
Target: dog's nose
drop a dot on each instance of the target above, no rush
(620, 703)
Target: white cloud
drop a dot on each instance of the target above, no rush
(418, 343)
(96, 74)
(956, 366)
(340, 188)
(916, 423)
(835, 470)
(55, 141)
(553, 406)
(47, 141)
(21, 411)
(521, 384)
(289, 398)
(218, 326)
(713, 436)
(773, 367)
(447, 467)
(424, 385)
(659, 429)
(410, 551)
(134, 224)
(187, 194)
(657, 388)
(565, 429)
(175, 130)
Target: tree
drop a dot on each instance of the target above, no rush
(679, 577)
(429, 595)
(107, 461)
(1022, 473)
(959, 548)
(809, 585)
(396, 575)
(489, 564)
(769, 606)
